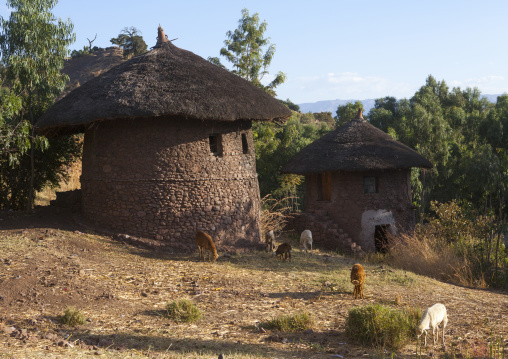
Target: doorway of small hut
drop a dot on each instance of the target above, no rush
(381, 236)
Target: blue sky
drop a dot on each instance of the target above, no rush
(328, 49)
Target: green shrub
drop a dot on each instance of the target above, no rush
(72, 317)
(183, 310)
(291, 323)
(382, 326)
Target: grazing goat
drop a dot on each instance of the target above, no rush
(432, 317)
(284, 251)
(205, 245)
(358, 279)
(306, 238)
(270, 241)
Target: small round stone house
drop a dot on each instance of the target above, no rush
(168, 147)
(357, 186)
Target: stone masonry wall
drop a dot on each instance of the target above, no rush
(157, 178)
(349, 202)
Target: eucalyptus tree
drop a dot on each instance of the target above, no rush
(249, 52)
(33, 44)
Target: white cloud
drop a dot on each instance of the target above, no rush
(344, 86)
(483, 82)
(348, 77)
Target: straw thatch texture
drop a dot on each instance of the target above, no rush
(166, 81)
(355, 146)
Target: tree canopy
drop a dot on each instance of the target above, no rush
(131, 41)
(33, 45)
(347, 112)
(249, 52)
(461, 133)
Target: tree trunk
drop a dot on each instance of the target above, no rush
(422, 198)
(29, 206)
(30, 203)
(499, 231)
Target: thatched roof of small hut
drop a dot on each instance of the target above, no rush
(166, 81)
(355, 146)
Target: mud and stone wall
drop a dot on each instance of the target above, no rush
(356, 212)
(158, 178)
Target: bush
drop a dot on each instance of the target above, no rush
(183, 310)
(274, 214)
(382, 326)
(429, 256)
(291, 323)
(455, 245)
(72, 317)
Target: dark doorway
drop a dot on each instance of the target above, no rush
(381, 236)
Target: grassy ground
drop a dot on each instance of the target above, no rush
(47, 265)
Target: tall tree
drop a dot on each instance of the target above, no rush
(250, 52)
(33, 44)
(131, 41)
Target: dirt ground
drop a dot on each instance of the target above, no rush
(53, 259)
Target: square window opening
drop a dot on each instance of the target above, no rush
(215, 144)
(370, 185)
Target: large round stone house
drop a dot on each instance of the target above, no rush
(357, 186)
(168, 147)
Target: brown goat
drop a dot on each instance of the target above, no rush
(206, 246)
(284, 251)
(358, 279)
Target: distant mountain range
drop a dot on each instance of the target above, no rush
(331, 105)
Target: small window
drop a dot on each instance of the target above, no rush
(215, 144)
(245, 144)
(370, 185)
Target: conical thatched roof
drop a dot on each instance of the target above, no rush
(166, 81)
(355, 146)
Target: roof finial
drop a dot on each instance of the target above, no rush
(359, 115)
(161, 36)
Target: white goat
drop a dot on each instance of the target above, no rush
(306, 238)
(432, 317)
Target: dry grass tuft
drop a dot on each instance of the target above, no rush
(424, 255)
(290, 323)
(432, 257)
(183, 310)
(72, 317)
(382, 326)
